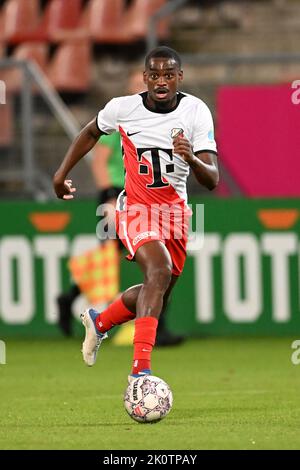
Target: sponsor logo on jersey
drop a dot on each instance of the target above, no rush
(132, 133)
(143, 235)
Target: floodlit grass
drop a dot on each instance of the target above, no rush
(228, 394)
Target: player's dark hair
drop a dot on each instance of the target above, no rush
(165, 52)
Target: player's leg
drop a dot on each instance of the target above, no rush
(156, 265)
(164, 337)
(97, 324)
(64, 302)
(130, 296)
(121, 310)
(124, 308)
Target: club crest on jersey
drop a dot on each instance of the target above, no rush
(177, 131)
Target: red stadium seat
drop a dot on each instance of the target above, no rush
(104, 21)
(2, 36)
(36, 52)
(137, 18)
(60, 20)
(20, 18)
(70, 68)
(62, 14)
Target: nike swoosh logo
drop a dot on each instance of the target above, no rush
(133, 133)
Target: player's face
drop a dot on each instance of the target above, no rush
(162, 77)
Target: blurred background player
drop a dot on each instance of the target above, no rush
(108, 173)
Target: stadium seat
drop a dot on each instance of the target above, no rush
(60, 20)
(70, 68)
(20, 18)
(63, 14)
(137, 18)
(2, 36)
(104, 21)
(36, 52)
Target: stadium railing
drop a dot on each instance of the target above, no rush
(33, 81)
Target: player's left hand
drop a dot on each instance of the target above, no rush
(183, 148)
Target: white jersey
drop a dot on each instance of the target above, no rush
(154, 174)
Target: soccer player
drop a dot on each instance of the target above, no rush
(165, 133)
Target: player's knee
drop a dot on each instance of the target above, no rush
(159, 277)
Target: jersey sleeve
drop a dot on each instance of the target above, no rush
(203, 130)
(107, 117)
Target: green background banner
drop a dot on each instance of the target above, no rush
(242, 277)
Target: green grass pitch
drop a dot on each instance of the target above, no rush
(228, 394)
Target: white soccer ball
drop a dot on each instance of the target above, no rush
(148, 399)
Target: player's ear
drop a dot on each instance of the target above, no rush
(180, 75)
(145, 77)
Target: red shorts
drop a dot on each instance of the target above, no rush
(138, 224)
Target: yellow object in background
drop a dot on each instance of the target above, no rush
(96, 272)
(124, 335)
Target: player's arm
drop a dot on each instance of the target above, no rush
(205, 168)
(83, 143)
(204, 163)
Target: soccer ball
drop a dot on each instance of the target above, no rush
(148, 399)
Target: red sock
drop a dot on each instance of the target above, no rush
(115, 314)
(144, 340)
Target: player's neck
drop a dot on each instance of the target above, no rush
(161, 106)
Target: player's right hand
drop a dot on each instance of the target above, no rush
(63, 188)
